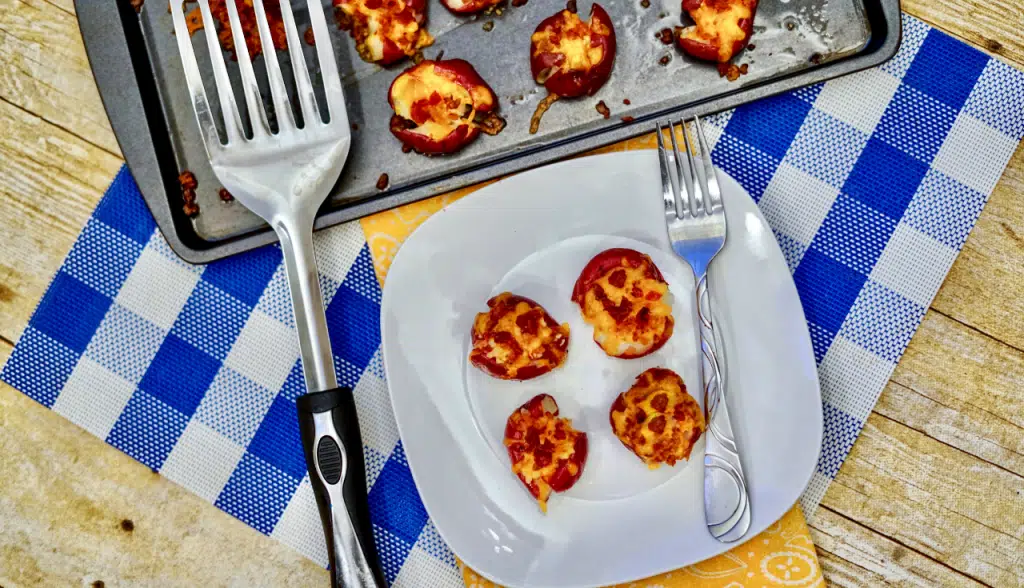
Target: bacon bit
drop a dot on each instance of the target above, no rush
(355, 126)
(440, 55)
(224, 195)
(645, 3)
(194, 20)
(188, 180)
(382, 182)
(628, 119)
(571, 6)
(489, 123)
(665, 59)
(542, 107)
(341, 19)
(308, 36)
(731, 71)
(137, 5)
(518, 3)
(188, 195)
(751, 47)
(816, 58)
(489, 25)
(603, 109)
(665, 36)
(191, 209)
(626, 101)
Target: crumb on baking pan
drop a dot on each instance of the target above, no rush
(603, 109)
(382, 182)
(224, 195)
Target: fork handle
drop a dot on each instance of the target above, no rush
(726, 501)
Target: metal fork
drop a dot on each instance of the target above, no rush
(283, 177)
(695, 217)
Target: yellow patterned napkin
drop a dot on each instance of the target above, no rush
(782, 555)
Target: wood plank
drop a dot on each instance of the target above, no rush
(59, 477)
(967, 427)
(46, 86)
(956, 366)
(991, 25)
(44, 25)
(851, 554)
(985, 288)
(956, 509)
(50, 182)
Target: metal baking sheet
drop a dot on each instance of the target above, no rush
(795, 42)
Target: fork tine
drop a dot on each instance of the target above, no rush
(714, 192)
(257, 116)
(670, 194)
(200, 103)
(278, 91)
(685, 181)
(328, 66)
(699, 185)
(228, 108)
(304, 88)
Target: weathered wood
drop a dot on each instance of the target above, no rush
(50, 181)
(934, 499)
(990, 25)
(851, 554)
(967, 427)
(66, 494)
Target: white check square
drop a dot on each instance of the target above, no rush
(337, 249)
(202, 460)
(913, 264)
(265, 351)
(299, 526)
(422, 569)
(858, 99)
(376, 418)
(852, 377)
(796, 203)
(157, 288)
(94, 397)
(974, 154)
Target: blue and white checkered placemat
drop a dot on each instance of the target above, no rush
(871, 183)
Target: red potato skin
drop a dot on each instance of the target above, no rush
(709, 51)
(470, 7)
(415, 11)
(574, 83)
(606, 261)
(562, 479)
(463, 73)
(524, 373)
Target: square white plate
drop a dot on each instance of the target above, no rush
(621, 522)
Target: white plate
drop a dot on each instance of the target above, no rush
(621, 522)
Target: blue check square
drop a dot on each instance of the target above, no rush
(257, 493)
(885, 338)
(211, 319)
(393, 552)
(769, 124)
(354, 321)
(394, 502)
(915, 123)
(885, 178)
(36, 348)
(752, 168)
(946, 69)
(854, 234)
(70, 312)
(147, 429)
(245, 275)
(179, 375)
(827, 289)
(944, 209)
(277, 441)
(123, 208)
(362, 277)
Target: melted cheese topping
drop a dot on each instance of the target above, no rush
(717, 23)
(433, 100)
(517, 339)
(630, 311)
(547, 443)
(573, 40)
(657, 419)
(377, 21)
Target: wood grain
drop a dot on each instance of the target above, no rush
(850, 554)
(50, 181)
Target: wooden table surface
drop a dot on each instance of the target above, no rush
(932, 492)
